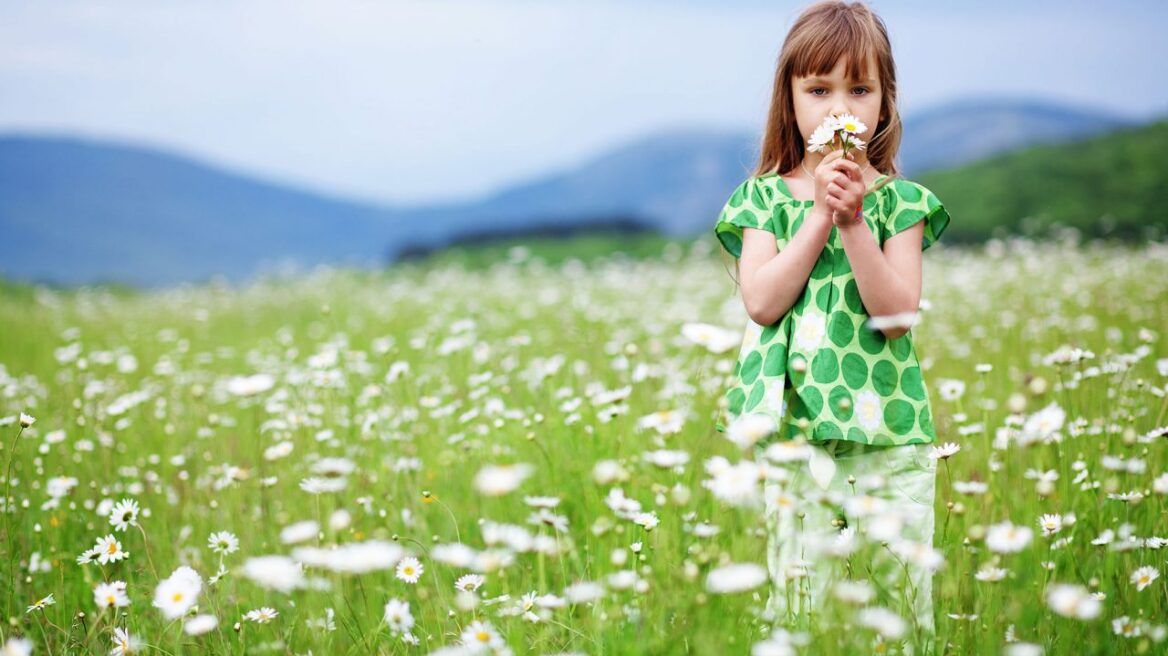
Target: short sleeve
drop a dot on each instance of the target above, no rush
(747, 207)
(911, 202)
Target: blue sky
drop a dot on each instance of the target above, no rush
(443, 100)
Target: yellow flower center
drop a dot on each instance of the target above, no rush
(177, 597)
(482, 636)
(113, 548)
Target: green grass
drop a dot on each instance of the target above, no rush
(503, 360)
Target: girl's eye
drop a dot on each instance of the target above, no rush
(813, 91)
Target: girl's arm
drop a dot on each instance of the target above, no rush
(890, 281)
(771, 280)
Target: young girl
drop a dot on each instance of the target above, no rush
(825, 243)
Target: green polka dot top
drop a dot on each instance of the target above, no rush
(821, 362)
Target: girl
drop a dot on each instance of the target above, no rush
(825, 244)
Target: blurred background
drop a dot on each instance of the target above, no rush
(152, 144)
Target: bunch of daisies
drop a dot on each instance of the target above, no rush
(837, 132)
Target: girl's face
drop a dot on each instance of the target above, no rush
(816, 97)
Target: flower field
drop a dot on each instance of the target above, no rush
(522, 459)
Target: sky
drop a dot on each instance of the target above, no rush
(439, 101)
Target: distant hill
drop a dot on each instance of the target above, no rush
(82, 211)
(965, 131)
(75, 211)
(1110, 185)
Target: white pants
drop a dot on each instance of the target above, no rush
(800, 573)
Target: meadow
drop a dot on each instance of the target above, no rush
(519, 456)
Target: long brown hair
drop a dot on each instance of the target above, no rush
(825, 33)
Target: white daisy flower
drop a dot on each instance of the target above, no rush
(496, 480)
(39, 605)
(223, 543)
(109, 550)
(398, 616)
(735, 577)
(943, 452)
(200, 624)
(274, 572)
(111, 595)
(125, 644)
(1005, 537)
(261, 615)
(850, 124)
(409, 569)
(1073, 601)
(469, 582)
(991, 574)
(820, 138)
(1050, 524)
(714, 338)
(749, 429)
(176, 594)
(1144, 576)
(480, 635)
(124, 514)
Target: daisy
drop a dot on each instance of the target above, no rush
(542, 502)
(409, 569)
(885, 622)
(1050, 524)
(109, 550)
(496, 480)
(1144, 576)
(39, 605)
(950, 389)
(714, 338)
(480, 634)
(87, 556)
(735, 577)
(648, 520)
(1124, 626)
(274, 572)
(261, 615)
(850, 124)
(1006, 538)
(991, 574)
(1073, 601)
(124, 643)
(26, 420)
(223, 543)
(749, 429)
(820, 138)
(943, 452)
(124, 514)
(200, 624)
(175, 595)
(111, 595)
(469, 582)
(398, 616)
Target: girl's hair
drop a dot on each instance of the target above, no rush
(825, 33)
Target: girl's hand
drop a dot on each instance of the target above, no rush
(840, 187)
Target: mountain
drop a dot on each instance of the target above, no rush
(81, 211)
(1105, 186)
(75, 211)
(965, 131)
